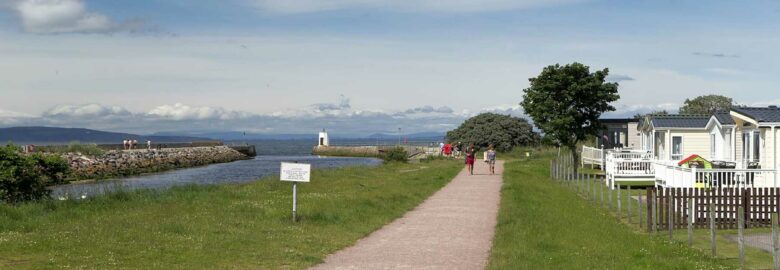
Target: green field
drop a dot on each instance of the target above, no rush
(217, 227)
(547, 225)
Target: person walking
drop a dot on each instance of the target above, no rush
(491, 159)
(148, 145)
(470, 152)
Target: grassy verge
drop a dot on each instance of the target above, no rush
(217, 227)
(546, 225)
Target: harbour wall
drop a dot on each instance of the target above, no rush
(115, 163)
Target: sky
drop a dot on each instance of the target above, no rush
(362, 67)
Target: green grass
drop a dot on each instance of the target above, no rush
(217, 227)
(727, 249)
(547, 225)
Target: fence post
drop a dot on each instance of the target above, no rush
(690, 222)
(601, 192)
(628, 204)
(741, 236)
(639, 209)
(551, 169)
(610, 196)
(713, 236)
(775, 242)
(654, 206)
(670, 222)
(590, 189)
(619, 214)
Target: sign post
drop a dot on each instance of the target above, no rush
(295, 172)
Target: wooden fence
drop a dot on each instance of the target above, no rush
(672, 206)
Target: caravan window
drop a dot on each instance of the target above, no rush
(713, 147)
(677, 150)
(756, 146)
(751, 145)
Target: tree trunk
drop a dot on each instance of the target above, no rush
(575, 158)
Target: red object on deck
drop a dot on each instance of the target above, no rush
(688, 159)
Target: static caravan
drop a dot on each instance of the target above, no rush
(756, 142)
(722, 131)
(674, 137)
(619, 133)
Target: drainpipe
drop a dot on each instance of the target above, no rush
(774, 154)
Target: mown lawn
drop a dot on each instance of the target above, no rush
(545, 225)
(216, 227)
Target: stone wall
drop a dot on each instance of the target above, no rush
(130, 162)
(357, 151)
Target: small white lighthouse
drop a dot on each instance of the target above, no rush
(323, 140)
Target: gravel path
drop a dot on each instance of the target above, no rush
(453, 229)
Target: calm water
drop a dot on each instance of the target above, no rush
(272, 153)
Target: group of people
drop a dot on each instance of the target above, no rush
(454, 150)
(133, 144)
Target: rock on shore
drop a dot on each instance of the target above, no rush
(130, 162)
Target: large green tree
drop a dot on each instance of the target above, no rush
(503, 131)
(566, 103)
(707, 104)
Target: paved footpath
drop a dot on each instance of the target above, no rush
(453, 229)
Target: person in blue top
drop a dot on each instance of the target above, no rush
(491, 159)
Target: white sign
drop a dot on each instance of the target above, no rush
(295, 172)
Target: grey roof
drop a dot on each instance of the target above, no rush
(760, 114)
(724, 117)
(617, 120)
(680, 121)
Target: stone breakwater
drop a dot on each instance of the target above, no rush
(130, 162)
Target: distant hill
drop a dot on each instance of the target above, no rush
(55, 135)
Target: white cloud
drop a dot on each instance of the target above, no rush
(86, 111)
(60, 16)
(450, 6)
(11, 118)
(180, 111)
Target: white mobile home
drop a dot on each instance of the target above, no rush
(758, 128)
(674, 137)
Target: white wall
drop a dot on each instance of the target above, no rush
(694, 142)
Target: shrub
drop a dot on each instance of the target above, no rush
(24, 178)
(395, 154)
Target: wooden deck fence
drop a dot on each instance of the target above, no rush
(672, 205)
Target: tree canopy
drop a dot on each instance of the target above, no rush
(566, 102)
(503, 131)
(707, 104)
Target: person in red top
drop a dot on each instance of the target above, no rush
(447, 150)
(470, 152)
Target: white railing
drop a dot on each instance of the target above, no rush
(669, 175)
(628, 164)
(592, 156)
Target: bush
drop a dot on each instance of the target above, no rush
(25, 178)
(395, 154)
(503, 131)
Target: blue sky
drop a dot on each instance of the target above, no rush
(362, 66)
